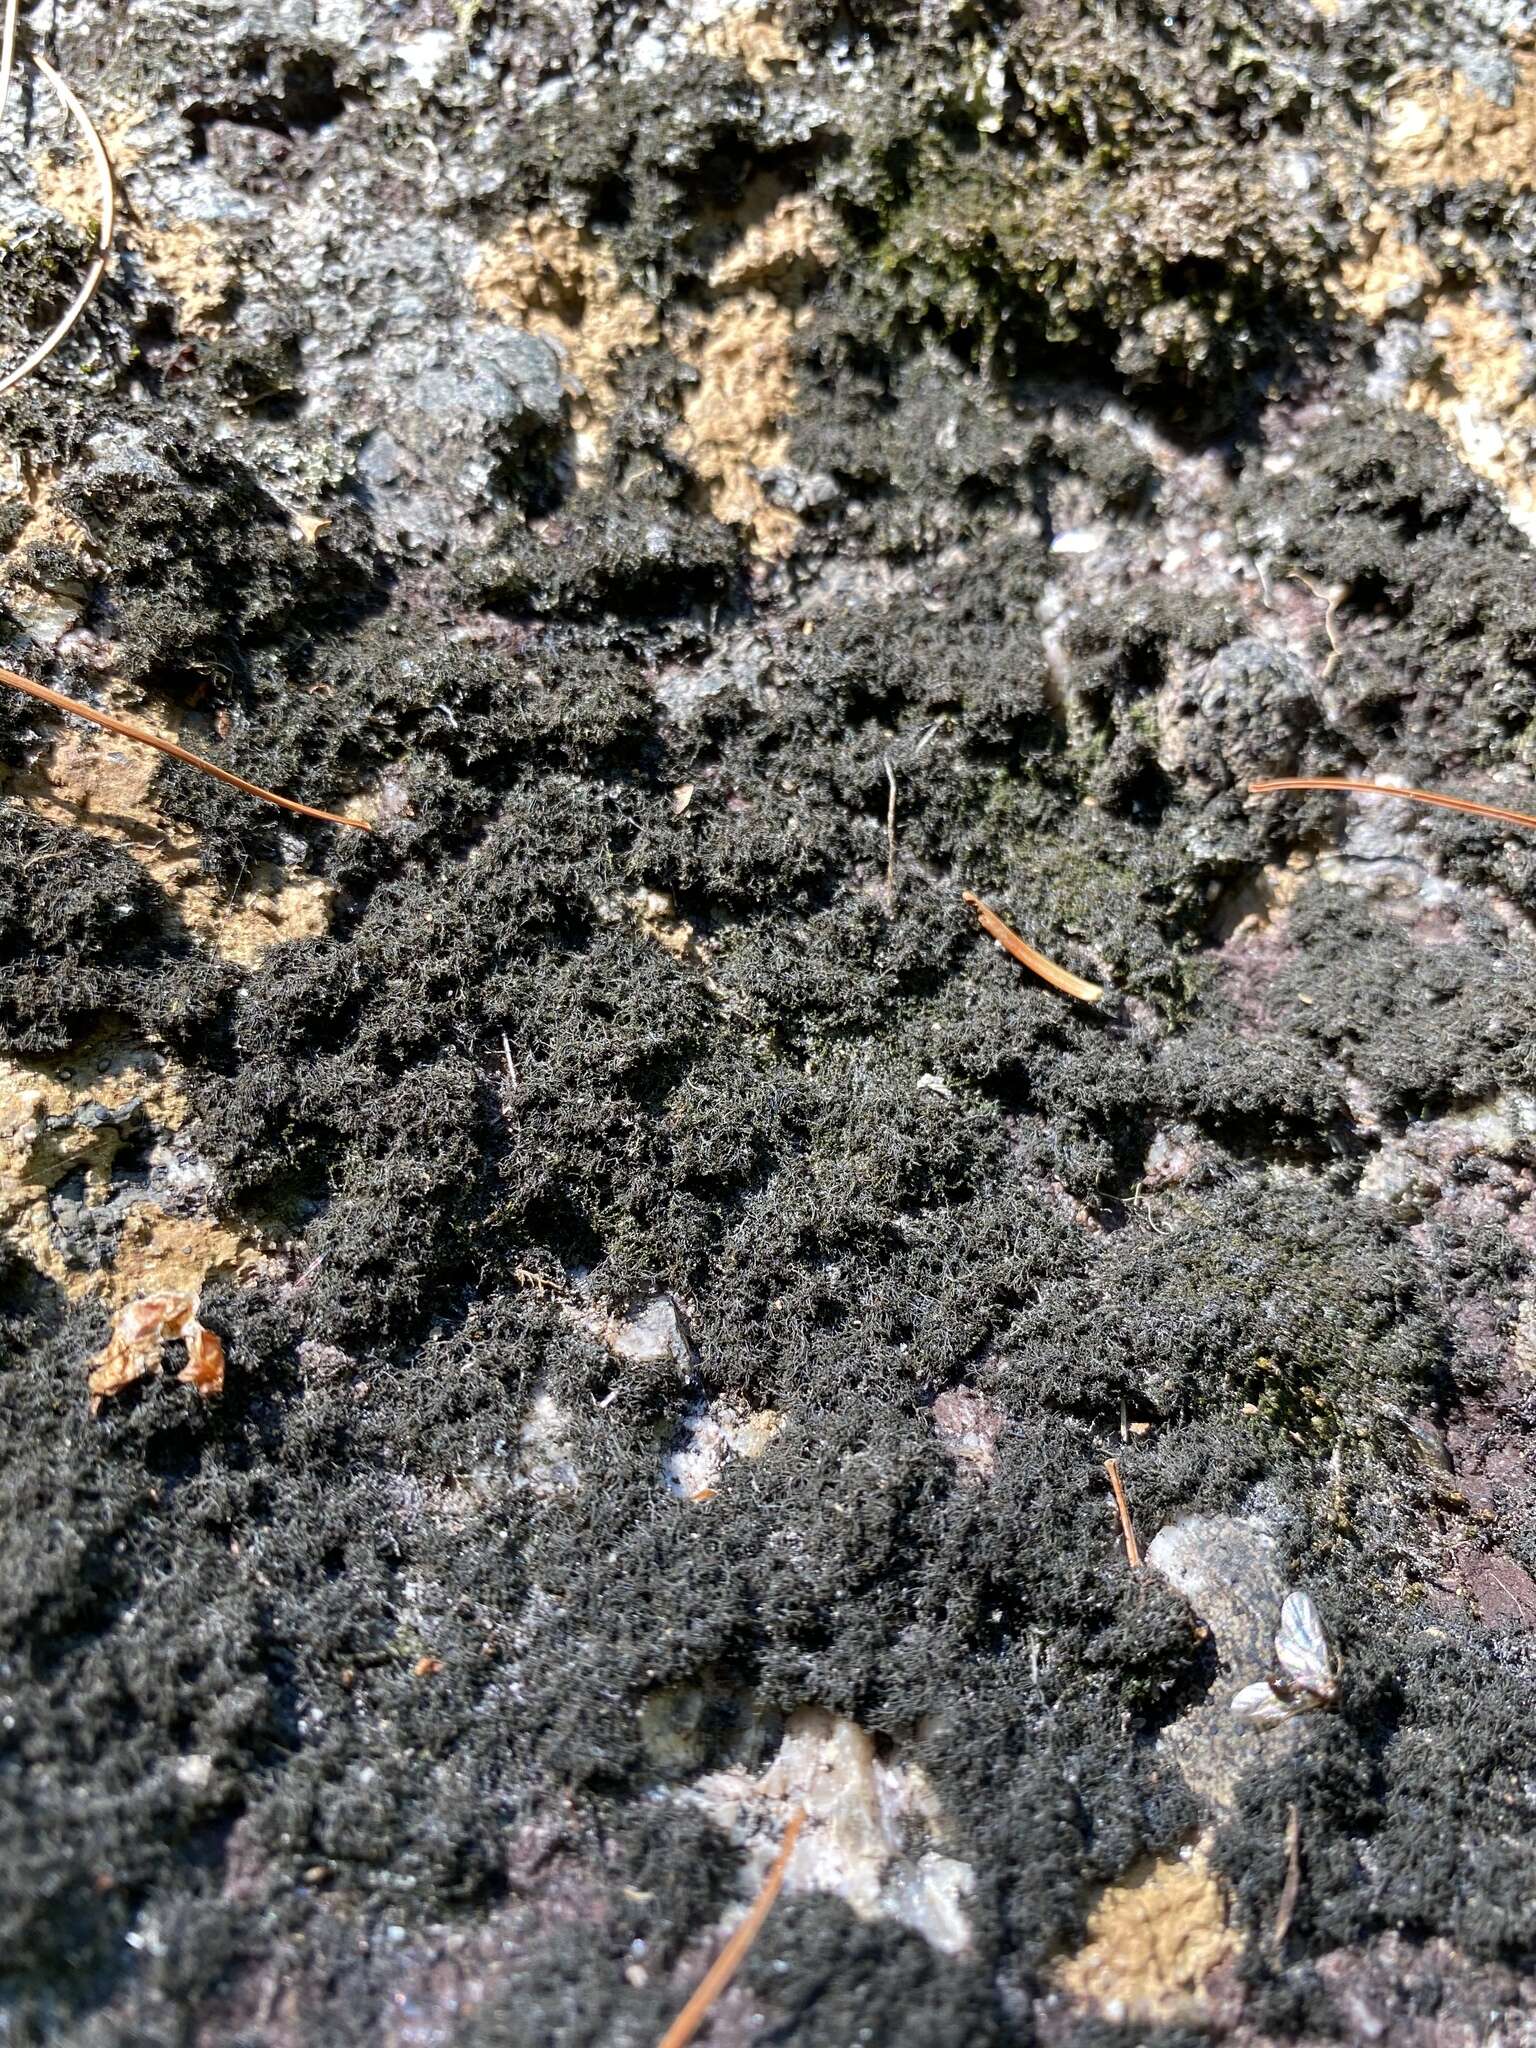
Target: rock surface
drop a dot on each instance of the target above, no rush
(709, 488)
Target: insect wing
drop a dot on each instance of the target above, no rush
(1301, 1648)
(1262, 1706)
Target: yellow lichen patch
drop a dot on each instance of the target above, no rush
(560, 282)
(184, 256)
(35, 1154)
(157, 1252)
(1255, 905)
(783, 242)
(45, 594)
(750, 35)
(736, 415)
(65, 176)
(1479, 393)
(186, 260)
(47, 520)
(1386, 271)
(659, 920)
(1439, 130)
(67, 1116)
(1477, 387)
(92, 781)
(1152, 1944)
(1525, 1336)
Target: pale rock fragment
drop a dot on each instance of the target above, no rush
(874, 1833)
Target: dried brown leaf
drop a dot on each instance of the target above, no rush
(135, 1350)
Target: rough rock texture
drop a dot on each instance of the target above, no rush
(710, 487)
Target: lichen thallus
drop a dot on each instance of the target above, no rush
(69, 318)
(38, 355)
(1305, 1677)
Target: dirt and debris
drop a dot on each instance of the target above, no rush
(680, 1287)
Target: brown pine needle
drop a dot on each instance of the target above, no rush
(1417, 796)
(77, 305)
(726, 1964)
(1117, 1488)
(149, 739)
(1009, 940)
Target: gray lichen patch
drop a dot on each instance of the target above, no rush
(705, 1278)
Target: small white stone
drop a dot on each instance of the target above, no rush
(1079, 540)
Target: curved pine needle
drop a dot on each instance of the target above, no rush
(149, 739)
(67, 320)
(1009, 940)
(1417, 796)
(8, 53)
(726, 1964)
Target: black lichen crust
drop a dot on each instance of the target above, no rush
(317, 1683)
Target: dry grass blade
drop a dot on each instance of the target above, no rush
(1270, 785)
(890, 839)
(726, 1964)
(1009, 940)
(1290, 1891)
(148, 739)
(77, 305)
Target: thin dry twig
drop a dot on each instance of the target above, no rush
(77, 305)
(1271, 784)
(890, 838)
(726, 1964)
(1117, 1488)
(542, 1284)
(1009, 940)
(1290, 1891)
(148, 739)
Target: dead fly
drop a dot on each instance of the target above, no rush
(1304, 1679)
